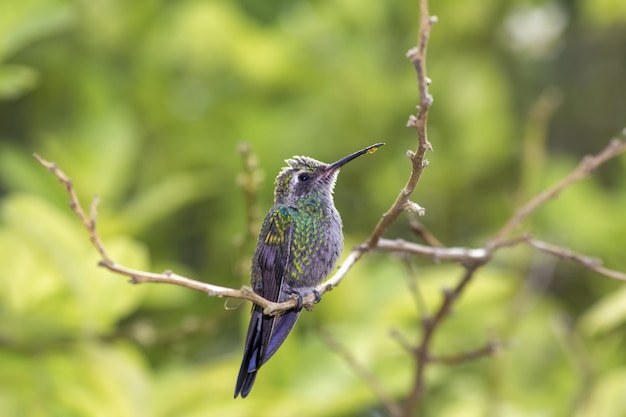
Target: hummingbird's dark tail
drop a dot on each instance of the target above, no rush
(265, 335)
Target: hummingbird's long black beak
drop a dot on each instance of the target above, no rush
(336, 165)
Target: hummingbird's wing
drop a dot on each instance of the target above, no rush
(267, 333)
(274, 255)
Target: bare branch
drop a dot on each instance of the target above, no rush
(248, 181)
(419, 229)
(88, 222)
(470, 259)
(488, 349)
(168, 277)
(392, 407)
(430, 325)
(591, 263)
(402, 341)
(437, 254)
(482, 255)
(417, 55)
(413, 285)
(586, 167)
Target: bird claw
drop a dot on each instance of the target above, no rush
(297, 296)
(318, 298)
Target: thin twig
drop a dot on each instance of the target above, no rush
(488, 349)
(420, 229)
(430, 325)
(388, 402)
(402, 341)
(472, 259)
(414, 288)
(88, 222)
(419, 121)
(586, 167)
(248, 181)
(168, 277)
(533, 152)
(579, 359)
(462, 255)
(589, 262)
(436, 254)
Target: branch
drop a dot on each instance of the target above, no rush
(436, 254)
(402, 340)
(413, 284)
(422, 231)
(417, 55)
(472, 259)
(169, 277)
(392, 407)
(591, 263)
(430, 325)
(488, 349)
(482, 255)
(88, 222)
(249, 181)
(586, 167)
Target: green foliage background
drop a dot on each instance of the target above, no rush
(144, 102)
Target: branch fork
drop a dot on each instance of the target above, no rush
(470, 258)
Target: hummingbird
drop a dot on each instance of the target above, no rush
(299, 243)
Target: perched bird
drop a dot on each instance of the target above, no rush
(299, 244)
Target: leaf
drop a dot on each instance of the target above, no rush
(22, 22)
(51, 285)
(164, 198)
(103, 147)
(606, 314)
(607, 398)
(82, 380)
(16, 80)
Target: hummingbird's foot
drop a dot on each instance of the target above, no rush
(297, 296)
(318, 298)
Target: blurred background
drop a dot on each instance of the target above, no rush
(144, 104)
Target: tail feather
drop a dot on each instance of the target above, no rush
(282, 327)
(265, 335)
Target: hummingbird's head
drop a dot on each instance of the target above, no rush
(304, 176)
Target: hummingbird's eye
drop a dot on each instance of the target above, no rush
(303, 177)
